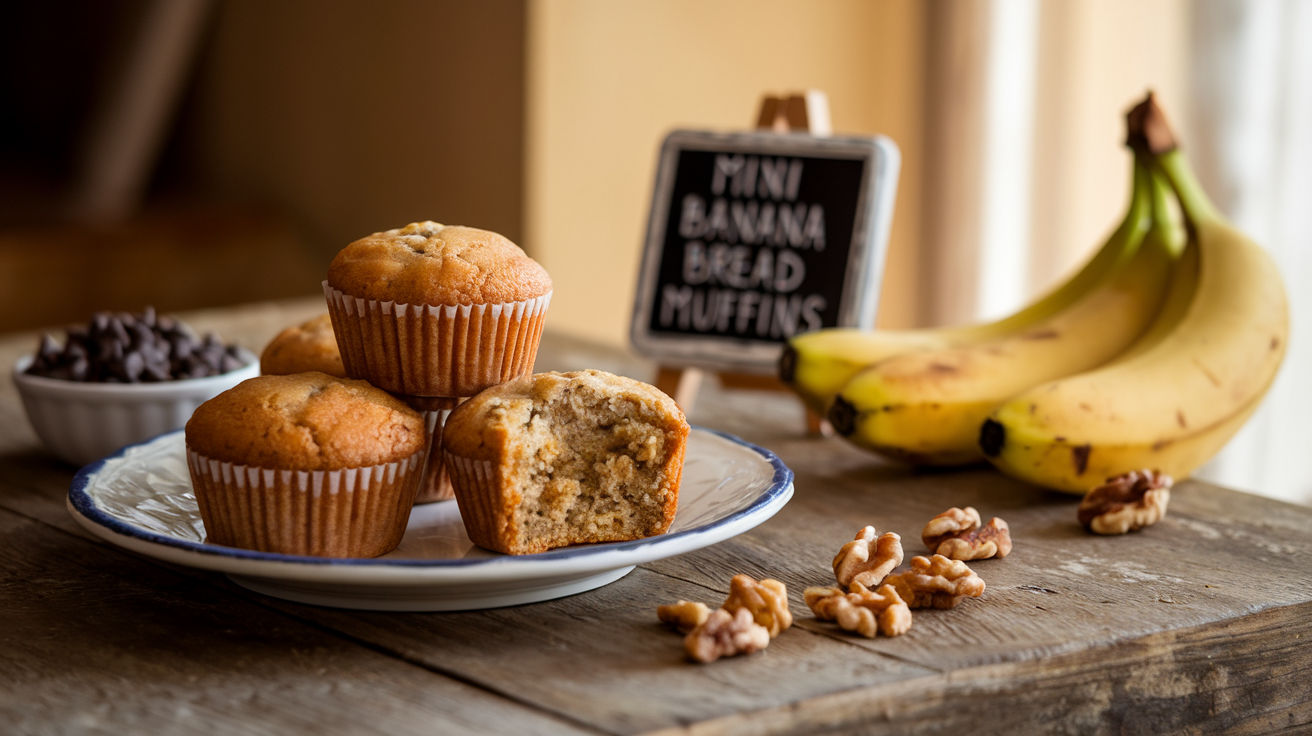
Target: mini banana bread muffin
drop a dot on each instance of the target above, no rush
(310, 346)
(555, 459)
(305, 464)
(436, 310)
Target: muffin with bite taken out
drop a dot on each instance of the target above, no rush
(555, 459)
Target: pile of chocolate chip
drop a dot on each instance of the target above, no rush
(133, 348)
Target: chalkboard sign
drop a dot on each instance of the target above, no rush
(756, 237)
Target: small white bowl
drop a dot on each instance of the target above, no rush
(83, 422)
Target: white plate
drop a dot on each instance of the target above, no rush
(141, 499)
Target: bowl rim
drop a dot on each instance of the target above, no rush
(60, 386)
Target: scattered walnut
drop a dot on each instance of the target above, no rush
(684, 615)
(725, 634)
(949, 524)
(863, 611)
(991, 540)
(867, 561)
(936, 582)
(767, 601)
(1127, 502)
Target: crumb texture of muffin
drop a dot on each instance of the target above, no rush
(305, 464)
(436, 310)
(555, 459)
(310, 346)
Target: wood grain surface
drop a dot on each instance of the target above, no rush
(1200, 623)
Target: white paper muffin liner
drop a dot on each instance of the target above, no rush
(353, 512)
(478, 494)
(436, 485)
(427, 350)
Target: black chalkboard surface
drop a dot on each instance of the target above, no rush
(755, 237)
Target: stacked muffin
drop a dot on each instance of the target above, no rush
(432, 314)
(309, 463)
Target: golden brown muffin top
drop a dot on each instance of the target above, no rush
(473, 429)
(310, 346)
(431, 263)
(306, 421)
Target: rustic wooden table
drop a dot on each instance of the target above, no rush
(1203, 621)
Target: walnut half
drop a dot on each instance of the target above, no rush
(867, 560)
(863, 611)
(991, 540)
(766, 600)
(1131, 501)
(725, 634)
(948, 524)
(684, 615)
(936, 582)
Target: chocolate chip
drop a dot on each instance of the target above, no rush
(182, 346)
(142, 334)
(133, 365)
(230, 363)
(49, 348)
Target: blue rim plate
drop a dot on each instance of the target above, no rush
(140, 498)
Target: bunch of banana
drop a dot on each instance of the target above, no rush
(1178, 395)
(1147, 358)
(927, 407)
(817, 365)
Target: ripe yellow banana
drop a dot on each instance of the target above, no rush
(1179, 396)
(927, 407)
(818, 364)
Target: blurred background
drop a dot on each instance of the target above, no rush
(196, 153)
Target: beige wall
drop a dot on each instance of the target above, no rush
(606, 80)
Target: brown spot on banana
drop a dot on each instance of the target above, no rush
(1042, 335)
(1210, 375)
(1179, 419)
(1080, 457)
(942, 368)
(1275, 343)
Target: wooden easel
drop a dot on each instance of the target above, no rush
(807, 113)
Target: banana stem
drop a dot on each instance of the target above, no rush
(1139, 217)
(1166, 227)
(1148, 133)
(1197, 207)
